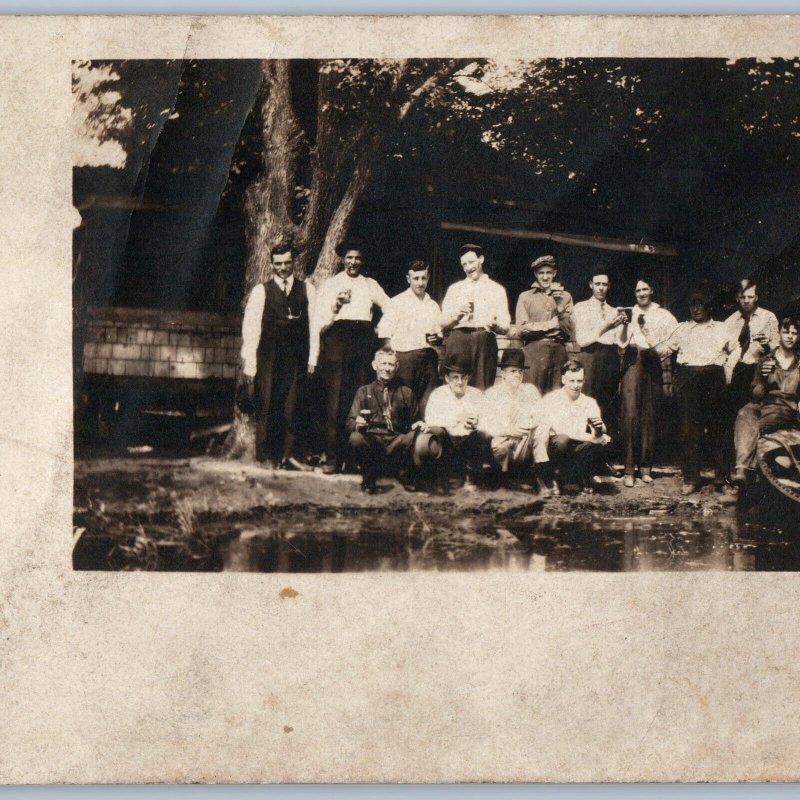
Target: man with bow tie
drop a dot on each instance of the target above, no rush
(276, 351)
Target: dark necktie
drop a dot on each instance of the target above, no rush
(387, 408)
(744, 336)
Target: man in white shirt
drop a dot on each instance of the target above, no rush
(453, 418)
(276, 334)
(702, 346)
(570, 434)
(343, 322)
(473, 311)
(641, 383)
(508, 413)
(598, 332)
(756, 332)
(411, 326)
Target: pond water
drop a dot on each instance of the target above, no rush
(358, 540)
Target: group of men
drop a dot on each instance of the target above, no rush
(422, 393)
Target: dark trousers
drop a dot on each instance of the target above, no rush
(640, 390)
(700, 392)
(575, 461)
(754, 420)
(480, 346)
(418, 369)
(380, 452)
(601, 365)
(347, 350)
(739, 393)
(280, 378)
(545, 357)
(463, 454)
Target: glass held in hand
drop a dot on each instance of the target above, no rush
(596, 425)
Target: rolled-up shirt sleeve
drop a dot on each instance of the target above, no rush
(313, 333)
(251, 329)
(377, 295)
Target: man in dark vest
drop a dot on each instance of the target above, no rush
(276, 334)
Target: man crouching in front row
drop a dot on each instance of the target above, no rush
(453, 419)
(383, 422)
(570, 432)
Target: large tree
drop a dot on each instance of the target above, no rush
(360, 108)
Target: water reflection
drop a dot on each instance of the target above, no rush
(535, 543)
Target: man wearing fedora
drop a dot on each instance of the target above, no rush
(343, 321)
(702, 346)
(570, 434)
(508, 413)
(383, 422)
(453, 419)
(545, 322)
(277, 350)
(474, 310)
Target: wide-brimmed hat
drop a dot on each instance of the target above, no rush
(458, 362)
(700, 296)
(512, 357)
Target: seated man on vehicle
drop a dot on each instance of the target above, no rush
(570, 436)
(776, 393)
(453, 419)
(382, 422)
(508, 413)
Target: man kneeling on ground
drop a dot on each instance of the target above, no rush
(453, 416)
(776, 392)
(382, 422)
(571, 432)
(508, 413)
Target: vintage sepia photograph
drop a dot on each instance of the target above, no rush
(431, 314)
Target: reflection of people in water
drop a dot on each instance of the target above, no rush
(776, 393)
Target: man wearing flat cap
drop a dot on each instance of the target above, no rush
(474, 310)
(508, 413)
(453, 419)
(544, 318)
(343, 319)
(702, 346)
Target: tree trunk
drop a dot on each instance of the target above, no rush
(268, 209)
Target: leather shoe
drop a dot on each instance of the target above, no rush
(294, 465)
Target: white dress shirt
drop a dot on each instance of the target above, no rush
(407, 319)
(364, 294)
(590, 316)
(489, 297)
(658, 327)
(761, 321)
(504, 412)
(251, 323)
(701, 344)
(445, 410)
(566, 417)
